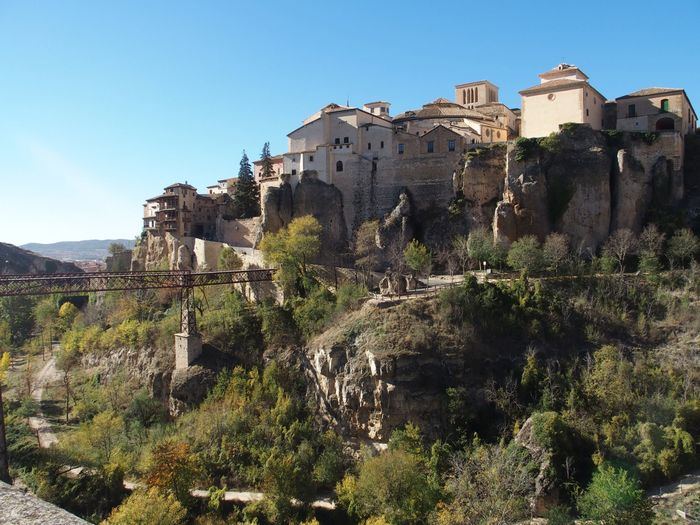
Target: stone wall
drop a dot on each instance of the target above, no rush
(239, 232)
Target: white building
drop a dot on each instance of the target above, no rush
(563, 95)
(336, 139)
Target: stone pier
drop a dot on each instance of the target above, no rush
(188, 347)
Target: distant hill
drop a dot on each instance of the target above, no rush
(77, 250)
(14, 260)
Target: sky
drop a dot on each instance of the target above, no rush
(102, 104)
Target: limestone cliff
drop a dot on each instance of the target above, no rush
(311, 196)
(584, 183)
(481, 184)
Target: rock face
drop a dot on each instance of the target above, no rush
(325, 203)
(310, 197)
(579, 184)
(277, 206)
(14, 260)
(154, 252)
(395, 229)
(481, 184)
(578, 187)
(523, 210)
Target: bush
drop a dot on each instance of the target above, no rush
(393, 486)
(147, 508)
(349, 297)
(526, 254)
(313, 312)
(615, 497)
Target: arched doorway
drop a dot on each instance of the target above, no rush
(665, 124)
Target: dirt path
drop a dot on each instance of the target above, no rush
(39, 423)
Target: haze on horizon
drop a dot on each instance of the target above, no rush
(105, 104)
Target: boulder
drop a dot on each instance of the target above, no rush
(277, 206)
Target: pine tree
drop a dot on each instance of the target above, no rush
(246, 197)
(267, 169)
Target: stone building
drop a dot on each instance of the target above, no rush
(563, 95)
(656, 109)
(266, 182)
(223, 187)
(474, 94)
(183, 212)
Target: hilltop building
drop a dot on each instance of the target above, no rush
(183, 212)
(266, 182)
(656, 109)
(223, 187)
(563, 95)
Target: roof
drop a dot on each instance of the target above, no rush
(377, 102)
(648, 92)
(273, 158)
(475, 83)
(559, 85)
(181, 185)
(556, 71)
(441, 108)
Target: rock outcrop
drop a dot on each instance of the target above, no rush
(14, 260)
(481, 183)
(155, 252)
(277, 206)
(325, 202)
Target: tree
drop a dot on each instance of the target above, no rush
(115, 248)
(267, 170)
(418, 257)
(229, 259)
(480, 246)
(526, 254)
(67, 359)
(490, 484)
(246, 196)
(366, 250)
(460, 245)
(148, 508)
(651, 243)
(555, 251)
(290, 249)
(615, 497)
(4, 467)
(172, 468)
(394, 486)
(682, 247)
(620, 245)
(17, 312)
(96, 442)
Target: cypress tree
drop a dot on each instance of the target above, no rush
(246, 197)
(267, 169)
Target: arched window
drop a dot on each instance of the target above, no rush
(339, 166)
(476, 95)
(665, 124)
(464, 96)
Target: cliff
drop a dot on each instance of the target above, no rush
(14, 260)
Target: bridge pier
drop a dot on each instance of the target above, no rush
(188, 347)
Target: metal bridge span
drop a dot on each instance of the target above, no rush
(188, 343)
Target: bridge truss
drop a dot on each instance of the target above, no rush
(185, 280)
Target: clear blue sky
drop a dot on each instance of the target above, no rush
(102, 104)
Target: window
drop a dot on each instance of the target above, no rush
(450, 145)
(294, 172)
(400, 149)
(488, 132)
(381, 144)
(339, 166)
(586, 111)
(311, 158)
(498, 134)
(464, 97)
(664, 105)
(337, 140)
(369, 145)
(346, 140)
(431, 146)
(631, 110)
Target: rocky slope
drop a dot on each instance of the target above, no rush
(14, 260)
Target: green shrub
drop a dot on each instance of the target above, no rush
(615, 497)
(526, 254)
(526, 148)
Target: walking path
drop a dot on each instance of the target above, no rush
(39, 423)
